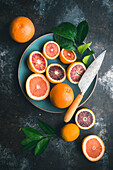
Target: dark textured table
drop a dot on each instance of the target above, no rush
(16, 111)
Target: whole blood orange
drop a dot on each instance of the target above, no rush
(61, 95)
(85, 118)
(93, 147)
(21, 29)
(37, 87)
(67, 57)
(70, 132)
(75, 72)
(51, 50)
(55, 73)
(37, 63)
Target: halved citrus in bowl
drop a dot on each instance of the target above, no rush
(51, 50)
(67, 57)
(55, 73)
(85, 118)
(75, 72)
(93, 148)
(37, 63)
(37, 87)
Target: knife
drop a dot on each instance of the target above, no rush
(84, 83)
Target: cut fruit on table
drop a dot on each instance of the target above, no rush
(61, 95)
(67, 56)
(37, 63)
(93, 148)
(75, 72)
(51, 50)
(55, 73)
(37, 87)
(85, 119)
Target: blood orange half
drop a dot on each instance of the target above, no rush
(75, 72)
(67, 57)
(93, 148)
(85, 118)
(37, 87)
(55, 73)
(37, 63)
(51, 50)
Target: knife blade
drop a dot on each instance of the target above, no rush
(84, 84)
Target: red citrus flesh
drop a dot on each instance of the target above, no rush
(56, 72)
(69, 55)
(85, 119)
(51, 49)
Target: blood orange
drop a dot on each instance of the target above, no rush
(75, 72)
(55, 73)
(93, 147)
(37, 87)
(51, 50)
(67, 57)
(85, 118)
(37, 63)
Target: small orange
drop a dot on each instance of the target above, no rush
(21, 29)
(61, 95)
(70, 132)
(67, 57)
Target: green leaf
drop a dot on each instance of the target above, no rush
(30, 145)
(70, 27)
(64, 32)
(41, 146)
(32, 133)
(83, 47)
(91, 52)
(46, 128)
(85, 59)
(25, 141)
(64, 43)
(82, 31)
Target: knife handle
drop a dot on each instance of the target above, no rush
(71, 110)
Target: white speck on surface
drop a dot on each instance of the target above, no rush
(106, 81)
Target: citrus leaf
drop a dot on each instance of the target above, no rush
(41, 146)
(70, 27)
(30, 145)
(64, 43)
(25, 141)
(32, 133)
(85, 59)
(64, 32)
(46, 128)
(91, 52)
(82, 31)
(83, 47)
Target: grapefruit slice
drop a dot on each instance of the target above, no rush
(93, 148)
(55, 73)
(85, 118)
(67, 57)
(75, 72)
(51, 50)
(37, 63)
(37, 87)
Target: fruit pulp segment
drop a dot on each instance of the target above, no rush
(85, 119)
(76, 72)
(56, 72)
(93, 148)
(68, 55)
(38, 86)
(52, 49)
(38, 61)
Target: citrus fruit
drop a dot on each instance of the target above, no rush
(85, 118)
(55, 73)
(37, 63)
(51, 50)
(61, 95)
(75, 72)
(67, 57)
(37, 87)
(21, 29)
(70, 132)
(93, 147)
